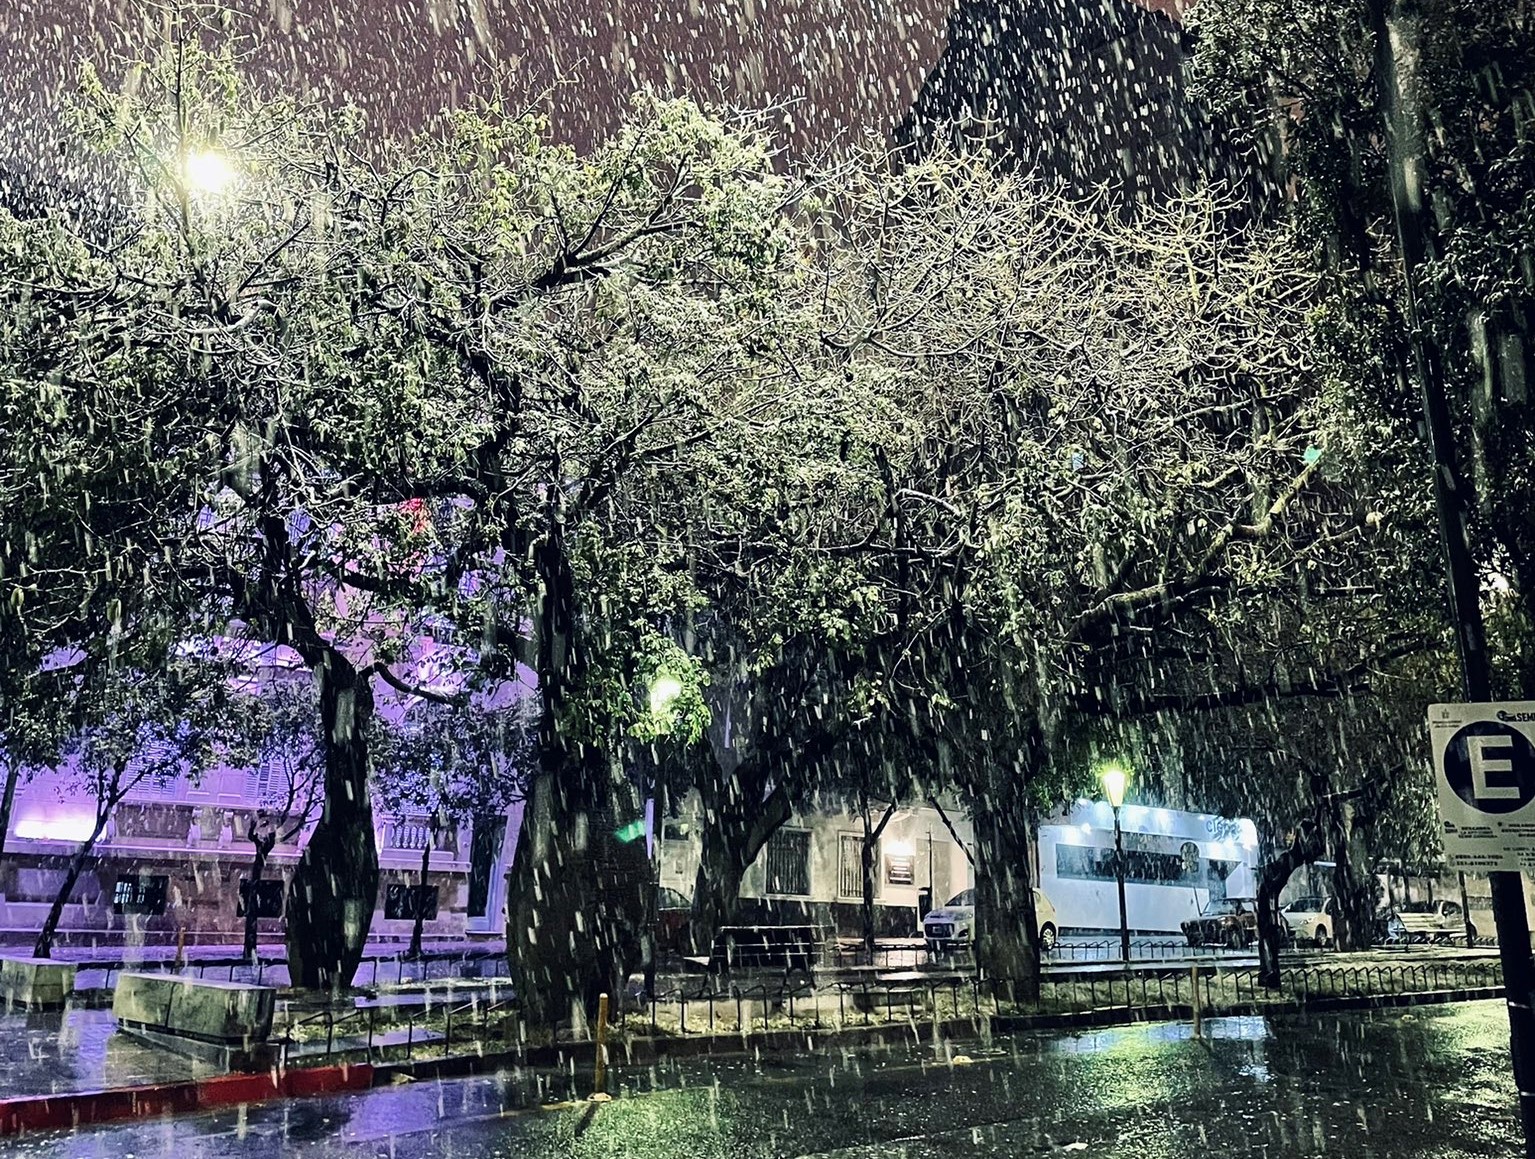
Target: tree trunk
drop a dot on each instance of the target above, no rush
(44, 946)
(576, 900)
(869, 865)
(578, 895)
(1271, 882)
(426, 864)
(8, 801)
(1305, 847)
(866, 865)
(734, 834)
(1006, 926)
(335, 887)
(1352, 883)
(264, 844)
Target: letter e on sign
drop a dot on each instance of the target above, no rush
(1491, 767)
(1482, 764)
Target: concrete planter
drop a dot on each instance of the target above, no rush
(227, 1023)
(36, 983)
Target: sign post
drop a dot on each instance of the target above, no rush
(1484, 766)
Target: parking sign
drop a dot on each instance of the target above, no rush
(1484, 763)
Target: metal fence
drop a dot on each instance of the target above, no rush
(843, 955)
(378, 1030)
(717, 1007)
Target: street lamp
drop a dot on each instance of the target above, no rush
(664, 693)
(207, 171)
(1115, 780)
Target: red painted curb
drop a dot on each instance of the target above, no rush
(81, 1108)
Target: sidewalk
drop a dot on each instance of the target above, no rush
(65, 1051)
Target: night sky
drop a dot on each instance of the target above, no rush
(840, 68)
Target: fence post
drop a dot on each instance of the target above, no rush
(1194, 984)
(600, 1069)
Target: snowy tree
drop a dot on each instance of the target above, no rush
(216, 344)
(137, 727)
(1091, 480)
(1311, 84)
(282, 718)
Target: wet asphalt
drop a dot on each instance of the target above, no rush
(1400, 1084)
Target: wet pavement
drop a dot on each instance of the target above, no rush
(1405, 1085)
(45, 1052)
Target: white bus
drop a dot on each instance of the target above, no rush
(1175, 864)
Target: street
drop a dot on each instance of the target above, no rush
(1406, 1084)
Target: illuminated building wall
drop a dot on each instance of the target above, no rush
(191, 832)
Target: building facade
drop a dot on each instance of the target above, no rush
(811, 869)
(175, 853)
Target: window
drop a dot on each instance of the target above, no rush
(156, 770)
(1142, 866)
(849, 865)
(268, 898)
(140, 894)
(788, 862)
(405, 901)
(900, 868)
(267, 784)
(484, 843)
(162, 783)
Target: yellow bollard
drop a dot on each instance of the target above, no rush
(600, 1077)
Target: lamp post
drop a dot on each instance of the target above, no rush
(665, 691)
(1115, 780)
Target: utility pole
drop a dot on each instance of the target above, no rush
(1395, 61)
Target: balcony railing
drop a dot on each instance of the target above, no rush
(410, 835)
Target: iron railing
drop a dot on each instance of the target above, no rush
(716, 1006)
(370, 1028)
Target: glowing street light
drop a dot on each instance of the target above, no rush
(1115, 779)
(207, 171)
(664, 693)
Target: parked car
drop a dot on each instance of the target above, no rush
(1429, 921)
(1225, 921)
(1310, 921)
(952, 926)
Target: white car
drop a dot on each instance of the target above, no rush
(952, 925)
(1311, 921)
